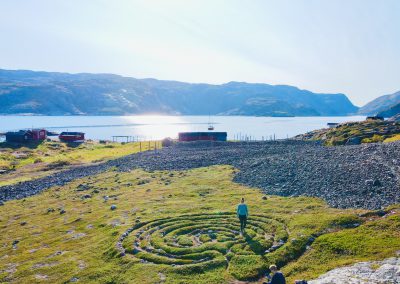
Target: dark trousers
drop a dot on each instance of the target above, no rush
(243, 221)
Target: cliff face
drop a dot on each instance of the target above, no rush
(45, 93)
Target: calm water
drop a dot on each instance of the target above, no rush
(158, 127)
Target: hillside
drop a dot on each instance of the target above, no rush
(46, 93)
(395, 117)
(380, 104)
(390, 112)
(352, 133)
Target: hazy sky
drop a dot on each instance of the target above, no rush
(340, 46)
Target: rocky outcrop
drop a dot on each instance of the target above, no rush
(360, 176)
(353, 133)
(374, 272)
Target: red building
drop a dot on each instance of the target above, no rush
(199, 136)
(72, 136)
(38, 134)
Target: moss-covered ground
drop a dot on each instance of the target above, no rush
(364, 132)
(32, 160)
(183, 231)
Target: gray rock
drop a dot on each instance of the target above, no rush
(377, 182)
(49, 210)
(374, 272)
(354, 141)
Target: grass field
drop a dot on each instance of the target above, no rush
(181, 229)
(32, 160)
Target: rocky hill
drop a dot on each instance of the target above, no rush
(391, 112)
(45, 93)
(352, 133)
(380, 104)
(395, 117)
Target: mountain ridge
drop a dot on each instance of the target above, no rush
(57, 93)
(380, 104)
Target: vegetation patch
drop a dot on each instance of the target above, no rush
(356, 133)
(31, 160)
(70, 233)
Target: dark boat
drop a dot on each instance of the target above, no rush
(72, 136)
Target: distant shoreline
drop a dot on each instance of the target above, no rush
(178, 115)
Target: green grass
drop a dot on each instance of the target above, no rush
(82, 242)
(365, 131)
(34, 160)
(374, 240)
(393, 138)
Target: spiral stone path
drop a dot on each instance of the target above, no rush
(201, 240)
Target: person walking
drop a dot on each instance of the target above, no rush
(242, 213)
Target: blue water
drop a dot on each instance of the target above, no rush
(158, 127)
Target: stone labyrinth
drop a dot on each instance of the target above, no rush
(202, 239)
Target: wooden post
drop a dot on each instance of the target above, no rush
(140, 146)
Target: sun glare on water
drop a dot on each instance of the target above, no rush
(158, 126)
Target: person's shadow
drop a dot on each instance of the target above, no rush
(253, 244)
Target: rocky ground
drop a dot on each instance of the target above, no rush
(360, 176)
(375, 272)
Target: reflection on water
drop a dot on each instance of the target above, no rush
(158, 127)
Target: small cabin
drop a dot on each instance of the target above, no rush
(26, 135)
(72, 136)
(38, 134)
(332, 124)
(18, 136)
(375, 118)
(202, 136)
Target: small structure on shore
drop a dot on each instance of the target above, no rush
(202, 136)
(38, 134)
(375, 118)
(72, 136)
(26, 135)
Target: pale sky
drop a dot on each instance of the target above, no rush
(331, 46)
